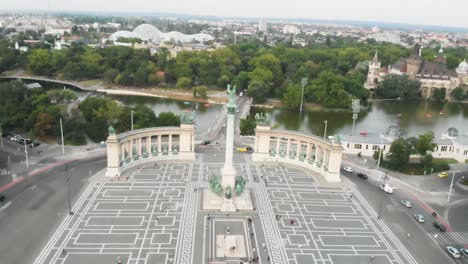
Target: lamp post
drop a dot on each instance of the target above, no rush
(26, 153)
(356, 106)
(303, 84)
(1, 135)
(61, 134)
(451, 185)
(70, 212)
(325, 132)
(380, 152)
(131, 118)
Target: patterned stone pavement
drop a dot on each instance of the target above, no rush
(155, 217)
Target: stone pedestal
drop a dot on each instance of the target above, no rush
(228, 205)
(228, 177)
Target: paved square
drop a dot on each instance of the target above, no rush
(155, 217)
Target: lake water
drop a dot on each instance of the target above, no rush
(413, 117)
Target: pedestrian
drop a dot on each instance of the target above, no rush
(64, 251)
(119, 260)
(263, 245)
(228, 231)
(268, 258)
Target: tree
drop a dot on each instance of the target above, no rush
(292, 97)
(258, 90)
(458, 94)
(110, 75)
(39, 62)
(168, 119)
(247, 126)
(184, 82)
(399, 153)
(241, 80)
(328, 90)
(439, 94)
(261, 74)
(425, 144)
(200, 91)
(44, 125)
(270, 62)
(398, 86)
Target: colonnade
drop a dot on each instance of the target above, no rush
(308, 151)
(144, 145)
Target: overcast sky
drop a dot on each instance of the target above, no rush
(425, 12)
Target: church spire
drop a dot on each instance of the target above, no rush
(375, 60)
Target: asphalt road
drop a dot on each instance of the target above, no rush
(401, 219)
(36, 206)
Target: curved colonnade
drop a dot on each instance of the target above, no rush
(147, 145)
(311, 152)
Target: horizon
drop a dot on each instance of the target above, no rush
(450, 15)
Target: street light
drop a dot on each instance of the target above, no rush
(61, 134)
(26, 153)
(131, 118)
(380, 152)
(1, 135)
(451, 185)
(356, 106)
(303, 84)
(325, 132)
(70, 212)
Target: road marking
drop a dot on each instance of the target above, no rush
(5, 206)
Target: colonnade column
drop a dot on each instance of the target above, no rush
(298, 149)
(288, 147)
(308, 152)
(170, 143)
(131, 148)
(324, 157)
(139, 147)
(316, 154)
(159, 144)
(148, 144)
(277, 146)
(122, 151)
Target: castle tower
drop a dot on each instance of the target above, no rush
(374, 73)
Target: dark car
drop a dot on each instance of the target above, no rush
(205, 142)
(7, 134)
(439, 226)
(34, 144)
(362, 175)
(2, 198)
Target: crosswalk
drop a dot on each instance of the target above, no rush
(4, 172)
(450, 238)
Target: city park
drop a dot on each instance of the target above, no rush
(161, 201)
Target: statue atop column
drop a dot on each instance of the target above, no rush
(232, 93)
(263, 119)
(111, 130)
(187, 117)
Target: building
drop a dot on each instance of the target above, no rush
(450, 145)
(290, 29)
(386, 37)
(432, 74)
(462, 72)
(262, 26)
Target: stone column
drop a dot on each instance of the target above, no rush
(316, 154)
(298, 149)
(113, 154)
(159, 143)
(131, 148)
(228, 171)
(288, 147)
(277, 146)
(122, 151)
(148, 145)
(170, 144)
(324, 153)
(308, 152)
(139, 146)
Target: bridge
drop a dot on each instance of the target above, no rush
(44, 79)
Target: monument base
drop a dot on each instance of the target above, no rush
(112, 172)
(228, 205)
(228, 177)
(213, 201)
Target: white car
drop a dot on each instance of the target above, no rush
(453, 251)
(348, 169)
(386, 188)
(406, 203)
(419, 218)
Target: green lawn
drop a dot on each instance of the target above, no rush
(89, 83)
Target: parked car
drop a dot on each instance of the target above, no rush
(34, 144)
(205, 142)
(453, 251)
(443, 174)
(439, 226)
(464, 252)
(348, 169)
(362, 175)
(419, 218)
(386, 188)
(241, 149)
(2, 198)
(406, 203)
